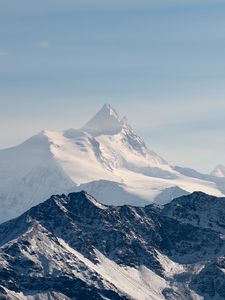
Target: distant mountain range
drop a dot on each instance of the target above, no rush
(73, 247)
(105, 157)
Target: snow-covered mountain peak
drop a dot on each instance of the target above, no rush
(39, 138)
(105, 122)
(105, 157)
(108, 109)
(108, 123)
(219, 171)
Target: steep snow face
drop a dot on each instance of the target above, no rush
(105, 157)
(72, 247)
(136, 283)
(219, 171)
(106, 121)
(115, 145)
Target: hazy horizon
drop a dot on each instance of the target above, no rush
(160, 63)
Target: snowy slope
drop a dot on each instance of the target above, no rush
(219, 171)
(104, 157)
(73, 247)
(28, 173)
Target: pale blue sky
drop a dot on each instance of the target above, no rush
(161, 63)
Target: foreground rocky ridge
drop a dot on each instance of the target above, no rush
(72, 247)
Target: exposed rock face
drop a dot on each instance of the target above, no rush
(72, 247)
(199, 210)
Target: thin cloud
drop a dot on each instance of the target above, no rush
(3, 52)
(44, 44)
(24, 6)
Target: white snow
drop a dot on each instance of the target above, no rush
(170, 267)
(106, 121)
(105, 157)
(219, 171)
(40, 296)
(92, 199)
(138, 284)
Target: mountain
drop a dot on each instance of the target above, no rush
(198, 209)
(73, 247)
(105, 157)
(105, 122)
(219, 171)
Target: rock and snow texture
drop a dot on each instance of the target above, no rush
(219, 171)
(104, 157)
(72, 247)
(105, 122)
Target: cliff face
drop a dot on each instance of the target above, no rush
(73, 247)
